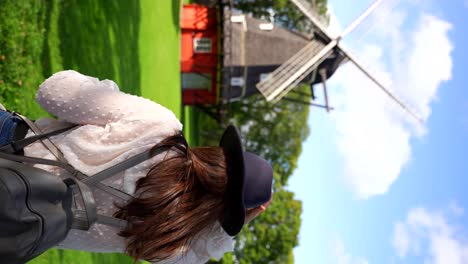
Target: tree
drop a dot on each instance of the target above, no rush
(283, 12)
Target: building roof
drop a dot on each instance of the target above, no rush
(246, 44)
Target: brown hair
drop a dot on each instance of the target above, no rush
(178, 198)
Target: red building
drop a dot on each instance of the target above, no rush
(199, 55)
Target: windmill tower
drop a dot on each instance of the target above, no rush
(253, 48)
(309, 60)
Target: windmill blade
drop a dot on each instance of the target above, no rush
(379, 17)
(308, 11)
(285, 77)
(381, 86)
(361, 18)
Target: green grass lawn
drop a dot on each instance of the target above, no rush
(21, 45)
(135, 43)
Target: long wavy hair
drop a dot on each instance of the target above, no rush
(179, 197)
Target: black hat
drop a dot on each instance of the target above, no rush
(249, 181)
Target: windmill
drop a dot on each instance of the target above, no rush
(309, 61)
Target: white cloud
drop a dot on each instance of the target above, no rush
(430, 62)
(401, 239)
(341, 256)
(430, 235)
(334, 27)
(373, 132)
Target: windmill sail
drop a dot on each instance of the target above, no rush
(289, 74)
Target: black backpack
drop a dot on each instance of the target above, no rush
(38, 207)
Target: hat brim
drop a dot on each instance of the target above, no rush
(234, 213)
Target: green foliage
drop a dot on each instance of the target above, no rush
(286, 259)
(274, 233)
(282, 12)
(321, 7)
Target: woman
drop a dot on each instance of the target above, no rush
(188, 202)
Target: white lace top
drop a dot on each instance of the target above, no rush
(114, 126)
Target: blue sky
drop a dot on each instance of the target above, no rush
(377, 187)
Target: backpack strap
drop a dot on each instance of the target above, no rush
(90, 216)
(27, 159)
(122, 166)
(44, 138)
(18, 145)
(75, 173)
(126, 164)
(80, 220)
